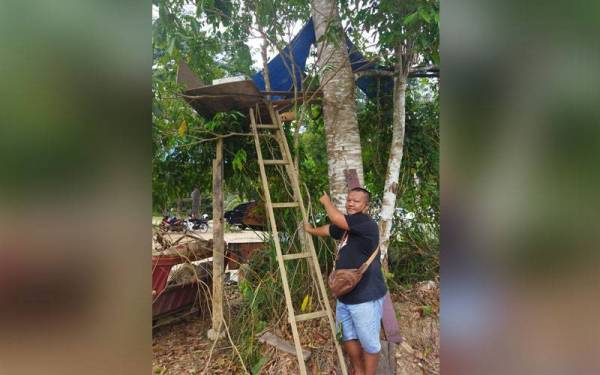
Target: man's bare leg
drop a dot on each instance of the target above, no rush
(355, 352)
(371, 362)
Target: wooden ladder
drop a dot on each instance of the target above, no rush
(275, 130)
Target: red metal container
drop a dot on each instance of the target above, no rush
(175, 298)
(170, 299)
(161, 266)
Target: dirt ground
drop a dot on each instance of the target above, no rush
(418, 314)
(182, 347)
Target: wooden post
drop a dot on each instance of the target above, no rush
(387, 358)
(218, 245)
(196, 203)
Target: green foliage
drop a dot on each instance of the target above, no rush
(239, 159)
(427, 310)
(263, 302)
(375, 120)
(414, 244)
(412, 25)
(313, 164)
(261, 362)
(339, 332)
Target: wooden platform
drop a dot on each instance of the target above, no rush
(231, 96)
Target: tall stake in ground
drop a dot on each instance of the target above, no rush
(218, 245)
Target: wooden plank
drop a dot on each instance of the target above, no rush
(288, 116)
(312, 315)
(275, 162)
(387, 358)
(292, 93)
(285, 205)
(284, 103)
(390, 322)
(283, 345)
(296, 256)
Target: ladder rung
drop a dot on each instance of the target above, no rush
(296, 256)
(285, 205)
(267, 126)
(271, 162)
(312, 315)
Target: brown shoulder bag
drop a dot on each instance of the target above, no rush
(341, 282)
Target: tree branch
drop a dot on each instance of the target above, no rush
(426, 71)
(374, 73)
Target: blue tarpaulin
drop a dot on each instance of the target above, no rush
(372, 86)
(291, 62)
(292, 59)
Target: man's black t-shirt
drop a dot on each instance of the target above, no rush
(362, 239)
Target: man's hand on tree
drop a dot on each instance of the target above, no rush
(325, 199)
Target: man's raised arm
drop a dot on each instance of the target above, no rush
(335, 216)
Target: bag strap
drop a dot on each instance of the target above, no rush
(363, 268)
(337, 250)
(365, 265)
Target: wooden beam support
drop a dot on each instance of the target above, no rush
(283, 102)
(218, 246)
(291, 93)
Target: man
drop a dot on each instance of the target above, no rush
(358, 312)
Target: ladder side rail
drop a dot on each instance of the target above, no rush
(317, 269)
(280, 261)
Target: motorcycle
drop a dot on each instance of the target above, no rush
(172, 223)
(198, 224)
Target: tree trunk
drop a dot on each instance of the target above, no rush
(339, 105)
(390, 189)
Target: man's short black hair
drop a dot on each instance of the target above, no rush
(364, 191)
